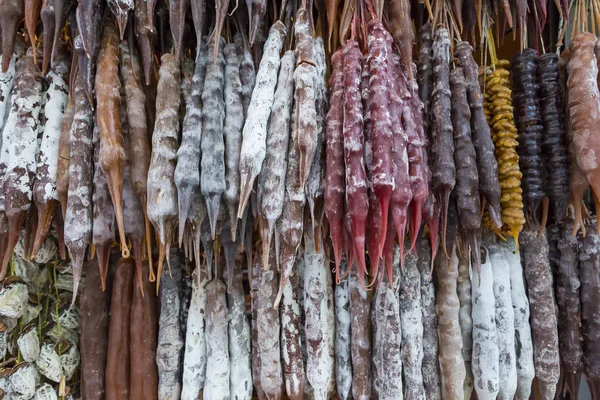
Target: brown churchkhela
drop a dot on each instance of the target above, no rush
(589, 266)
(143, 334)
(95, 319)
(11, 14)
(118, 352)
(583, 107)
(442, 146)
(112, 151)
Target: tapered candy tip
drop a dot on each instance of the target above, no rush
(122, 24)
(246, 190)
(495, 215)
(267, 235)
(415, 225)
(138, 248)
(213, 203)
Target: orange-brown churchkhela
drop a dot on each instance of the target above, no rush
(112, 151)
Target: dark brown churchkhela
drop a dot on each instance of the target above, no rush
(554, 140)
(89, 15)
(425, 72)
(528, 121)
(467, 199)
(569, 309)
(589, 267)
(95, 319)
(487, 165)
(11, 14)
(143, 333)
(118, 353)
(534, 253)
(442, 146)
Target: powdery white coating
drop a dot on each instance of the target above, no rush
(187, 74)
(78, 217)
(29, 345)
(464, 318)
(505, 323)
(412, 328)
(520, 304)
(267, 319)
(485, 357)
(318, 363)
(69, 360)
(253, 277)
(540, 289)
(6, 84)
(131, 75)
(20, 142)
(170, 343)
(343, 363)
(291, 222)
(45, 392)
(315, 184)
(272, 177)
(212, 165)
(305, 93)
(291, 326)
(430, 369)
(13, 299)
(48, 363)
(240, 376)
(54, 109)
(187, 171)
(388, 332)
(254, 134)
(247, 72)
(232, 132)
(194, 358)
(216, 385)
(452, 365)
(24, 378)
(162, 193)
(360, 340)
(330, 329)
